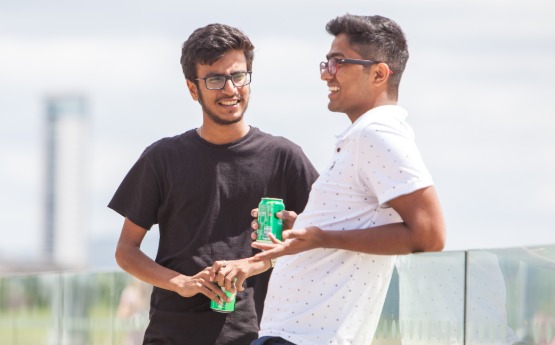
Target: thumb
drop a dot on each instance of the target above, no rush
(286, 215)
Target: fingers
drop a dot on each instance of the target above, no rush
(263, 245)
(239, 283)
(267, 245)
(288, 218)
(190, 286)
(230, 284)
(215, 293)
(228, 275)
(269, 250)
(290, 234)
(254, 223)
(226, 279)
(285, 215)
(297, 233)
(274, 239)
(199, 283)
(216, 267)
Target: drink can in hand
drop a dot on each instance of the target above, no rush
(224, 307)
(268, 223)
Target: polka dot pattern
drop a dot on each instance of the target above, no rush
(331, 296)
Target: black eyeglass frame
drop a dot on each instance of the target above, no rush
(226, 78)
(325, 65)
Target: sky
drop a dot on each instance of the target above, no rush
(479, 88)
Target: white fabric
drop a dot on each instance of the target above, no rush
(329, 296)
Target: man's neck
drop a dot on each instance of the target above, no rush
(354, 117)
(223, 134)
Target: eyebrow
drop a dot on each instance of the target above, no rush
(334, 55)
(213, 74)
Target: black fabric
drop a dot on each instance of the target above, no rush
(201, 196)
(269, 340)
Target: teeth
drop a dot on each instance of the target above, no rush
(334, 88)
(229, 102)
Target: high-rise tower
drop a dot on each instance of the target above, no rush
(65, 227)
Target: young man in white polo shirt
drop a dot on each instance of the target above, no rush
(375, 200)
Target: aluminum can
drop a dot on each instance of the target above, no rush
(225, 307)
(267, 220)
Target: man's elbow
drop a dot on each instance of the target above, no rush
(433, 241)
(437, 244)
(121, 257)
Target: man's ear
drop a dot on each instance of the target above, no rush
(192, 89)
(381, 73)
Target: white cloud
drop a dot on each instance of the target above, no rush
(84, 63)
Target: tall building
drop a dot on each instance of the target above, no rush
(65, 227)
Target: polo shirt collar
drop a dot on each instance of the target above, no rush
(373, 115)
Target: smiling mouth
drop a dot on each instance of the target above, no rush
(334, 88)
(229, 103)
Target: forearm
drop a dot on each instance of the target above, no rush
(137, 263)
(390, 239)
(425, 235)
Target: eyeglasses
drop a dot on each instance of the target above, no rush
(332, 65)
(217, 82)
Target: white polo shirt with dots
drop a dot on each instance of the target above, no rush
(332, 296)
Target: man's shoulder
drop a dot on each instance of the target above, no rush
(171, 141)
(167, 145)
(273, 139)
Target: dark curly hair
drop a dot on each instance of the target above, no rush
(208, 44)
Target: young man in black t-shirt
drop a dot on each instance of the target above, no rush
(199, 187)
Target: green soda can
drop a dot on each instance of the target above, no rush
(225, 307)
(267, 220)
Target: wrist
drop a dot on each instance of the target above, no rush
(326, 238)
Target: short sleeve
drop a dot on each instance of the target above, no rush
(138, 196)
(389, 162)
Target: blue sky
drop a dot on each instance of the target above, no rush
(479, 89)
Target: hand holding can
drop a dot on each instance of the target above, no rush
(224, 307)
(268, 222)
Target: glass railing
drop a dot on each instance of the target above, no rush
(73, 309)
(477, 297)
(503, 296)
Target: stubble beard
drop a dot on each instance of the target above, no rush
(215, 118)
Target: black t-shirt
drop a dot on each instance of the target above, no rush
(201, 196)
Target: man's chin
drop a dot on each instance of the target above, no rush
(224, 119)
(227, 120)
(333, 109)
